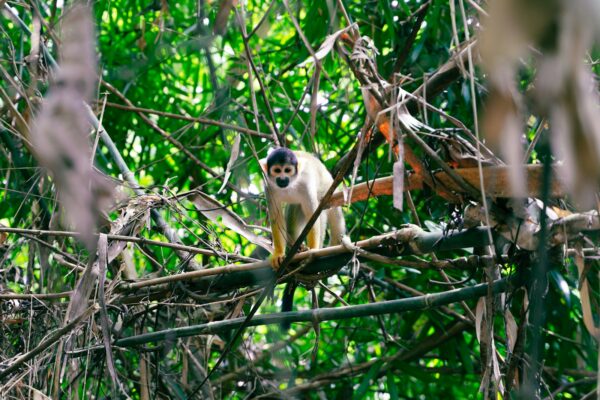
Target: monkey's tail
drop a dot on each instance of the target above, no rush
(287, 302)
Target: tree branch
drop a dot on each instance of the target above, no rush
(324, 314)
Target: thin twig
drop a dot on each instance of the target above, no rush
(121, 238)
(49, 341)
(172, 140)
(200, 120)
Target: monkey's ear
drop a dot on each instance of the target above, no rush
(263, 164)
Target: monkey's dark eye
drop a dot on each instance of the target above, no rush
(276, 170)
(287, 170)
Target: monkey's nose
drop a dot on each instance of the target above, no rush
(282, 182)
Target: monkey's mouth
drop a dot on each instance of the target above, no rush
(282, 182)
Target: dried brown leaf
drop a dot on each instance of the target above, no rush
(104, 320)
(326, 46)
(398, 184)
(586, 306)
(131, 221)
(479, 314)
(235, 153)
(511, 330)
(60, 134)
(565, 90)
(82, 292)
(225, 8)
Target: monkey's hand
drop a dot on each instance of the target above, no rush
(276, 260)
(302, 248)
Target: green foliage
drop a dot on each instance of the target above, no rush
(163, 56)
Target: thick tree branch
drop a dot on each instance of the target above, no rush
(324, 314)
(496, 180)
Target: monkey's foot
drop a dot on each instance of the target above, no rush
(303, 247)
(276, 260)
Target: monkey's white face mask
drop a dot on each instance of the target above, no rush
(283, 175)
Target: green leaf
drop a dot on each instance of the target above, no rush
(366, 382)
(391, 386)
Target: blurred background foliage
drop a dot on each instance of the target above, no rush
(190, 58)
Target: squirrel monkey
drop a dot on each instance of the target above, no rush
(299, 180)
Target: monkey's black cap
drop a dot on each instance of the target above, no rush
(281, 155)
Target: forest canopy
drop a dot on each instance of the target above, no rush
(463, 142)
